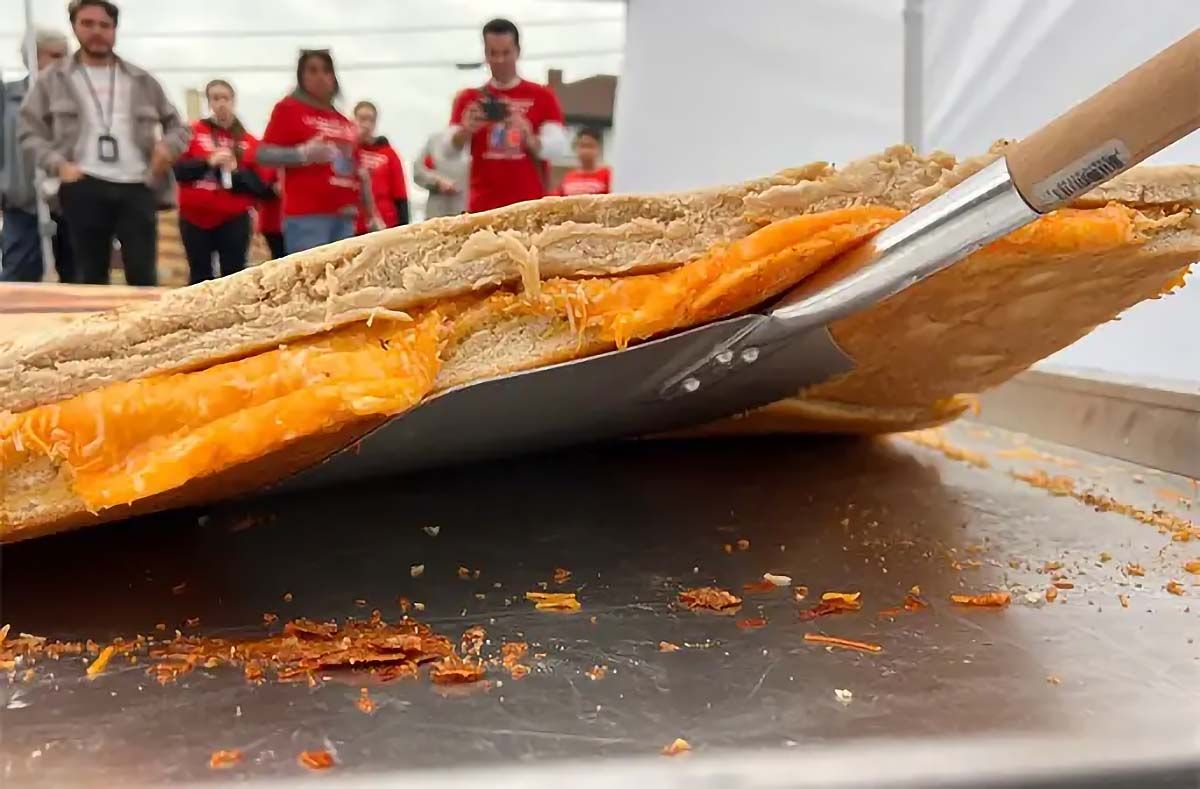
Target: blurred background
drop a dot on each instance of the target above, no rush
(408, 56)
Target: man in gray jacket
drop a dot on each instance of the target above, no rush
(443, 171)
(93, 121)
(20, 242)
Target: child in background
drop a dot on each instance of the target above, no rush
(591, 178)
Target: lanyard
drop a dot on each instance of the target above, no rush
(112, 91)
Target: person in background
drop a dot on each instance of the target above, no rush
(94, 120)
(513, 127)
(384, 170)
(270, 212)
(20, 242)
(317, 146)
(591, 178)
(218, 184)
(443, 171)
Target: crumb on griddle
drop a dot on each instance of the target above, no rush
(677, 747)
(101, 662)
(843, 643)
(224, 759)
(709, 598)
(364, 702)
(454, 670)
(472, 640)
(553, 601)
(984, 600)
(912, 602)
(316, 760)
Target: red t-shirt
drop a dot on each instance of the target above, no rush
(382, 163)
(502, 171)
(583, 182)
(206, 203)
(270, 212)
(315, 188)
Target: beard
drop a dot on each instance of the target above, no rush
(96, 48)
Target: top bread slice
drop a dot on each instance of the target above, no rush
(402, 268)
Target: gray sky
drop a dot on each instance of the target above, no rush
(413, 101)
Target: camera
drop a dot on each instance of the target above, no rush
(494, 108)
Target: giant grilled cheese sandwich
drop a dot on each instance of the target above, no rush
(221, 387)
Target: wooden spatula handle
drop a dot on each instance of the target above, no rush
(1138, 115)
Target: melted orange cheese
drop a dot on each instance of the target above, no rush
(131, 440)
(728, 280)
(1071, 230)
(135, 439)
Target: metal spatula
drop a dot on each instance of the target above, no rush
(743, 362)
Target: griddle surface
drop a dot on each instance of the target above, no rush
(634, 523)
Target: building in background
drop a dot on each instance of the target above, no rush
(586, 102)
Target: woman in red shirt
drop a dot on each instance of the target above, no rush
(591, 178)
(218, 184)
(383, 168)
(317, 146)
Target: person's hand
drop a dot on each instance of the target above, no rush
(528, 138)
(160, 159)
(223, 158)
(69, 172)
(446, 186)
(318, 151)
(474, 119)
(377, 223)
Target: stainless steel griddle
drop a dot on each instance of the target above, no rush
(958, 696)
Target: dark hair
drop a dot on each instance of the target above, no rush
(109, 8)
(365, 103)
(217, 83)
(317, 54)
(588, 131)
(500, 27)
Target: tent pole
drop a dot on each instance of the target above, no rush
(46, 226)
(914, 76)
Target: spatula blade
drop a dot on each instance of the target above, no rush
(613, 395)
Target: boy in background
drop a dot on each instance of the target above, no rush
(592, 178)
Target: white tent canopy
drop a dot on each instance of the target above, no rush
(720, 93)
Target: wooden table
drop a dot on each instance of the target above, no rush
(31, 307)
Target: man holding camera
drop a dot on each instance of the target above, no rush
(513, 126)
